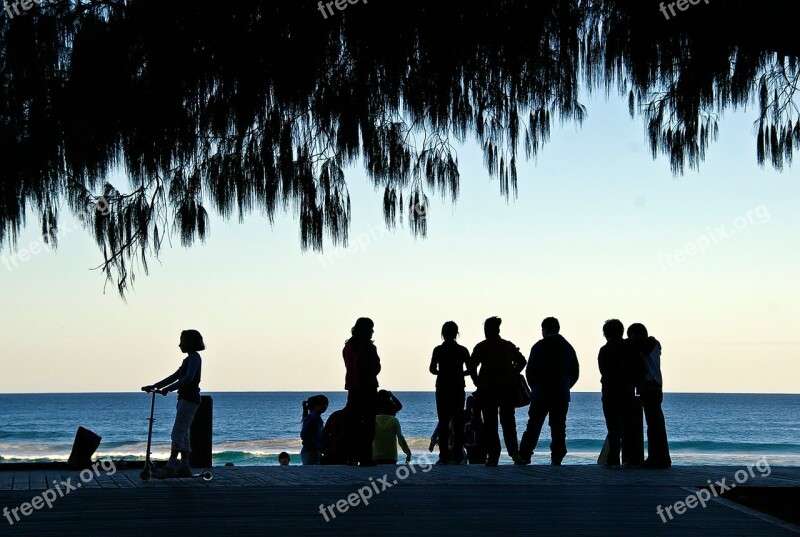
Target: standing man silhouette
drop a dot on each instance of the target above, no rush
(618, 375)
(500, 362)
(552, 371)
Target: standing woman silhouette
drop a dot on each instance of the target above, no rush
(361, 382)
(450, 363)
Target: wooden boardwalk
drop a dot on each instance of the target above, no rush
(402, 500)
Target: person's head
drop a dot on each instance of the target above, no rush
(637, 331)
(363, 329)
(491, 326)
(387, 403)
(449, 331)
(550, 326)
(191, 341)
(613, 329)
(318, 403)
(284, 458)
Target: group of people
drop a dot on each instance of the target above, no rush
(330, 443)
(366, 431)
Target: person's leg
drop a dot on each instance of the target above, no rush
(632, 431)
(558, 431)
(184, 414)
(458, 426)
(176, 437)
(657, 445)
(490, 409)
(508, 421)
(444, 413)
(611, 411)
(530, 438)
(353, 427)
(187, 411)
(368, 430)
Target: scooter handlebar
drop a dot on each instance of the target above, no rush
(153, 389)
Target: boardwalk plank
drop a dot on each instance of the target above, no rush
(450, 500)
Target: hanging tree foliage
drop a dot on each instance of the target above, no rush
(260, 106)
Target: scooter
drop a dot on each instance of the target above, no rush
(149, 466)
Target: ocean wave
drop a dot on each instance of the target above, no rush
(707, 446)
(265, 451)
(574, 457)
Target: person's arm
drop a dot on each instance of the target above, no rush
(602, 362)
(639, 369)
(305, 429)
(192, 365)
(325, 441)
(475, 361)
(157, 386)
(402, 442)
(377, 361)
(317, 433)
(518, 358)
(434, 366)
(318, 436)
(465, 359)
(531, 371)
(574, 367)
(434, 438)
(347, 356)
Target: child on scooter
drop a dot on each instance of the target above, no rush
(186, 380)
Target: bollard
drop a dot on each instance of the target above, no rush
(200, 437)
(84, 446)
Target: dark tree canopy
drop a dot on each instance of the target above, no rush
(259, 106)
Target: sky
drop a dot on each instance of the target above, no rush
(707, 261)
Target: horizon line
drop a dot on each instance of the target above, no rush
(393, 391)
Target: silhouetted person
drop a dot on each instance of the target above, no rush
(311, 431)
(652, 395)
(361, 382)
(186, 380)
(552, 371)
(435, 442)
(388, 434)
(334, 438)
(618, 370)
(500, 362)
(474, 441)
(284, 459)
(450, 364)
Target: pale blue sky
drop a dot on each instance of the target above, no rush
(597, 231)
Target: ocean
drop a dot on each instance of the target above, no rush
(251, 428)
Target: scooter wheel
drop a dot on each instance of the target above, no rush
(207, 475)
(145, 475)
